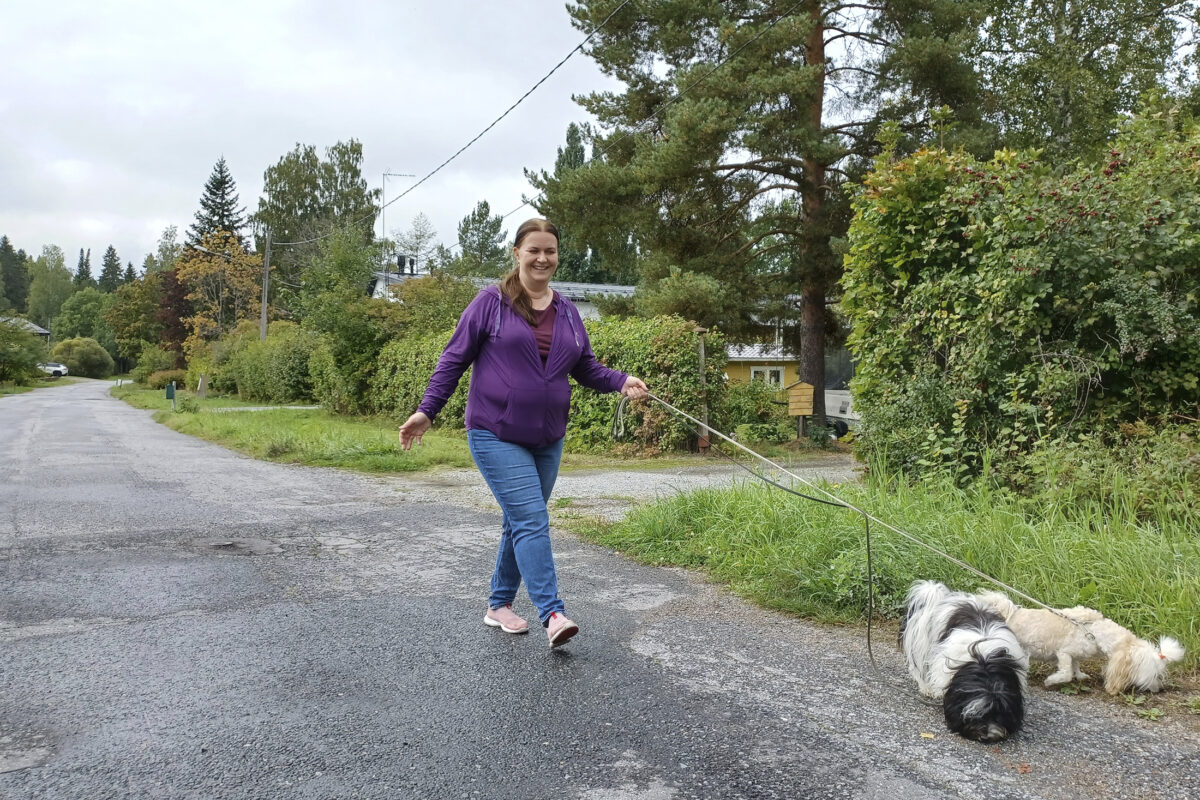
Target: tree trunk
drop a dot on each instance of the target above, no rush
(812, 309)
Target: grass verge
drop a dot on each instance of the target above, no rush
(810, 559)
(367, 444)
(312, 437)
(41, 383)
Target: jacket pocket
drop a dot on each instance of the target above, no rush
(523, 419)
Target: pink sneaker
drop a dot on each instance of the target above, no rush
(504, 619)
(560, 629)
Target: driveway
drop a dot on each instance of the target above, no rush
(180, 621)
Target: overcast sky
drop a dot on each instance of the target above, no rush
(115, 112)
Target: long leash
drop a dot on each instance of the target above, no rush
(618, 429)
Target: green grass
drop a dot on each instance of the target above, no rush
(312, 437)
(13, 388)
(788, 553)
(41, 383)
(318, 438)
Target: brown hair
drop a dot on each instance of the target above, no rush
(511, 284)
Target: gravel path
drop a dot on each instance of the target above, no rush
(609, 494)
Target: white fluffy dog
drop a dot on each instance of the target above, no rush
(960, 652)
(1081, 633)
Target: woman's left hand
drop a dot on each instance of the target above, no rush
(634, 388)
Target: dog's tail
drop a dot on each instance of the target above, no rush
(998, 602)
(1170, 649)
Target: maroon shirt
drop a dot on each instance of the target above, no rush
(543, 332)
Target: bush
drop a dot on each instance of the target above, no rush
(84, 357)
(749, 404)
(275, 369)
(20, 352)
(214, 358)
(665, 353)
(152, 359)
(770, 432)
(331, 388)
(163, 378)
(405, 367)
(1152, 473)
(998, 304)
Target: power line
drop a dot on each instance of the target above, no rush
(640, 125)
(478, 136)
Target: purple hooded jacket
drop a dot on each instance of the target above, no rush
(512, 394)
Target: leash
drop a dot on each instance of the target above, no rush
(618, 431)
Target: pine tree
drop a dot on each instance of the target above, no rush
(83, 272)
(219, 208)
(130, 275)
(14, 276)
(577, 259)
(110, 272)
(481, 242)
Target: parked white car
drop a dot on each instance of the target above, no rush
(53, 368)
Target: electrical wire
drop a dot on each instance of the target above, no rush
(477, 137)
(636, 129)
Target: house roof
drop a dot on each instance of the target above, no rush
(759, 352)
(29, 326)
(571, 290)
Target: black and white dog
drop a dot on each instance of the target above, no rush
(960, 652)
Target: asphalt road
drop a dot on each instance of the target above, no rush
(179, 621)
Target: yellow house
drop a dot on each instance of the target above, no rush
(769, 363)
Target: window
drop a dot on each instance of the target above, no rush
(773, 376)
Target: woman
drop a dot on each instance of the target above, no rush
(523, 339)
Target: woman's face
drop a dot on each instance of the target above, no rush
(537, 256)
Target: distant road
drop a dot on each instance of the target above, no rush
(179, 621)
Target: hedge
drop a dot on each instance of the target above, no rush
(663, 351)
(275, 369)
(995, 304)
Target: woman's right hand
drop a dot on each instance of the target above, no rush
(413, 429)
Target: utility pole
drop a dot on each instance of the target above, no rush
(262, 317)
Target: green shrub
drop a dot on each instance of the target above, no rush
(405, 367)
(665, 353)
(152, 359)
(998, 304)
(84, 357)
(1151, 473)
(771, 432)
(748, 404)
(214, 359)
(20, 352)
(275, 369)
(164, 378)
(331, 386)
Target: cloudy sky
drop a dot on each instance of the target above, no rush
(115, 112)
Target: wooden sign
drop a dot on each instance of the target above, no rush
(800, 399)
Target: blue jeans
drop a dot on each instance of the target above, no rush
(521, 479)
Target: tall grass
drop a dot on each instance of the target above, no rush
(792, 554)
